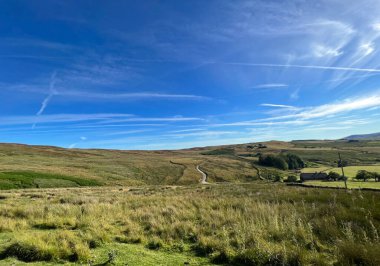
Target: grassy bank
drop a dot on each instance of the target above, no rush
(340, 184)
(255, 224)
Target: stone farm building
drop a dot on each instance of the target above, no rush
(313, 176)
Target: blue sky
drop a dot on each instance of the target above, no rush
(177, 74)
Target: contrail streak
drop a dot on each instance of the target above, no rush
(306, 66)
(47, 99)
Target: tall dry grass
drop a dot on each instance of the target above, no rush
(250, 224)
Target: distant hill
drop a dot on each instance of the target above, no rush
(25, 166)
(373, 136)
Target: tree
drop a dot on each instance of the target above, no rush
(291, 178)
(280, 163)
(363, 175)
(376, 176)
(283, 162)
(333, 176)
(278, 178)
(274, 161)
(342, 163)
(294, 161)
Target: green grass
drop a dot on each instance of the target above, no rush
(261, 223)
(154, 212)
(132, 255)
(349, 171)
(350, 184)
(28, 179)
(133, 168)
(222, 151)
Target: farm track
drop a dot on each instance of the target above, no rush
(253, 165)
(204, 176)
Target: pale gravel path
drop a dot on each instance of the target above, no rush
(204, 176)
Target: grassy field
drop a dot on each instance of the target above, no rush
(24, 166)
(99, 207)
(350, 184)
(110, 167)
(349, 171)
(250, 224)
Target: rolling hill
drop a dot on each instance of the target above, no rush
(23, 166)
(373, 136)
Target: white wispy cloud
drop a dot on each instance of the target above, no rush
(81, 139)
(127, 132)
(131, 95)
(47, 99)
(306, 115)
(188, 130)
(277, 105)
(320, 50)
(376, 26)
(153, 119)
(107, 96)
(34, 42)
(57, 118)
(98, 118)
(344, 106)
(338, 68)
(271, 86)
(367, 48)
(295, 94)
(52, 91)
(71, 146)
(262, 122)
(206, 133)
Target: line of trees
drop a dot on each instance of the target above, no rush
(365, 175)
(282, 161)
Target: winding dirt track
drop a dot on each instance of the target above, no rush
(203, 180)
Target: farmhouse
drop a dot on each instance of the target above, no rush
(313, 176)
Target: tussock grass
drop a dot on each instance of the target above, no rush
(250, 224)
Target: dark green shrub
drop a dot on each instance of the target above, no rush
(291, 178)
(278, 178)
(202, 249)
(351, 253)
(259, 257)
(128, 240)
(154, 244)
(94, 243)
(222, 151)
(26, 253)
(221, 257)
(46, 226)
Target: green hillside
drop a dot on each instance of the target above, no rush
(23, 166)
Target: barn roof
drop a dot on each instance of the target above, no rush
(313, 176)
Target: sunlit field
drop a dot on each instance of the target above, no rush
(349, 171)
(256, 224)
(350, 184)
